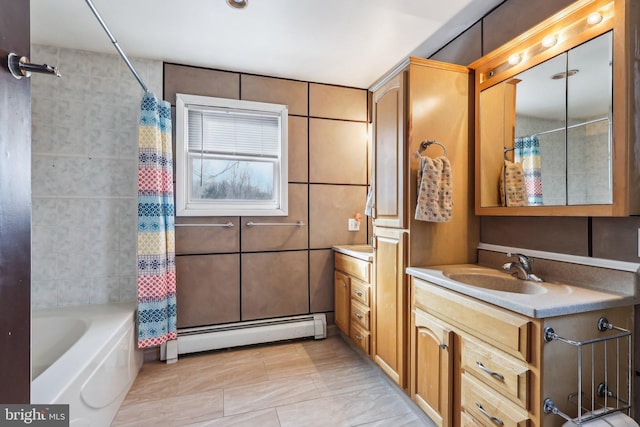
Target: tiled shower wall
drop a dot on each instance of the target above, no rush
(246, 273)
(84, 172)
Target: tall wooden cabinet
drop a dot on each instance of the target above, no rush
(427, 100)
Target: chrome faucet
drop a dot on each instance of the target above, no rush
(523, 265)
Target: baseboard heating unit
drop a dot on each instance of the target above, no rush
(191, 340)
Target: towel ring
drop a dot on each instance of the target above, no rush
(505, 151)
(426, 143)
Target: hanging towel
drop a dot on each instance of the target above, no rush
(368, 209)
(527, 151)
(435, 190)
(513, 176)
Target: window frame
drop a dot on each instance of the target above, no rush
(185, 205)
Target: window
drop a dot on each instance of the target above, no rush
(231, 157)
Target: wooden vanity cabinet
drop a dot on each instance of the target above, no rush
(473, 363)
(352, 299)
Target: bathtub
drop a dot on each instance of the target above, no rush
(85, 356)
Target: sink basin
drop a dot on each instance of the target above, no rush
(496, 282)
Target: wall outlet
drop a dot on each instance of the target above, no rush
(353, 225)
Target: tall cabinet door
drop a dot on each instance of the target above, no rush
(389, 153)
(431, 367)
(391, 303)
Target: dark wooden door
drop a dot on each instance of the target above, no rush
(15, 209)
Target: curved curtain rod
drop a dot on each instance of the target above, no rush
(116, 45)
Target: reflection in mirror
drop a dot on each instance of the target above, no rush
(589, 142)
(539, 143)
(546, 132)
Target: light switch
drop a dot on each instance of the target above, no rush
(353, 225)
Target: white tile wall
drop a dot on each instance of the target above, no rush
(84, 176)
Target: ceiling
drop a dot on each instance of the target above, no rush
(344, 42)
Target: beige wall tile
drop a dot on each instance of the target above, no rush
(337, 152)
(330, 208)
(336, 102)
(298, 149)
(207, 240)
(270, 238)
(208, 289)
(292, 93)
(321, 280)
(274, 284)
(199, 81)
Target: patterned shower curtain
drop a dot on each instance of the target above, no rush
(527, 152)
(156, 241)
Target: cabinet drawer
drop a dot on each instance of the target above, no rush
(506, 330)
(507, 375)
(360, 314)
(361, 337)
(360, 292)
(353, 266)
(488, 407)
(467, 421)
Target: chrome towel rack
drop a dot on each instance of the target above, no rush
(227, 224)
(275, 224)
(610, 401)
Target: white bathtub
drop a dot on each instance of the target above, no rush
(85, 356)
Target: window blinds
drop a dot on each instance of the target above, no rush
(234, 132)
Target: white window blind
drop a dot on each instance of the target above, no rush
(233, 132)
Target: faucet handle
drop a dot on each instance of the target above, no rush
(524, 260)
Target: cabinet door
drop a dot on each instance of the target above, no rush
(388, 153)
(432, 367)
(342, 298)
(390, 303)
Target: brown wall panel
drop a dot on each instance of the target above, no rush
(298, 149)
(199, 81)
(616, 238)
(337, 152)
(332, 206)
(336, 102)
(569, 235)
(275, 284)
(464, 49)
(278, 238)
(292, 93)
(208, 289)
(321, 280)
(207, 240)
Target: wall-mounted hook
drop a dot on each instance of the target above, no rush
(20, 67)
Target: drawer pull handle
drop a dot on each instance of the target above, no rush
(358, 293)
(489, 371)
(358, 315)
(357, 336)
(488, 415)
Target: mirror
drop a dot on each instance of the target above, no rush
(546, 134)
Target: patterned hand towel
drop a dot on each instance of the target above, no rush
(513, 175)
(435, 190)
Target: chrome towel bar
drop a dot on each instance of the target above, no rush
(227, 224)
(291, 224)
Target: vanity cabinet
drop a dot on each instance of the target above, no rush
(352, 299)
(474, 363)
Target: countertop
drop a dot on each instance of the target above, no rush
(557, 299)
(363, 252)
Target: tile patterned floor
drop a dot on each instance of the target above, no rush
(304, 383)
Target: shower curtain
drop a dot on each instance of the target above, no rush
(527, 152)
(156, 240)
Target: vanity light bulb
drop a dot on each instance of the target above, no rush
(549, 41)
(514, 59)
(594, 18)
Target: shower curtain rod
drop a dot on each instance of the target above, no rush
(116, 45)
